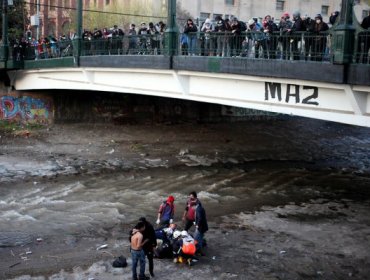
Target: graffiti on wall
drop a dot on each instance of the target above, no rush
(25, 108)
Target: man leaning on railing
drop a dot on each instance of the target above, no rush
(364, 42)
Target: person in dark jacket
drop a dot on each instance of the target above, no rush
(296, 34)
(201, 226)
(320, 38)
(236, 38)
(220, 31)
(148, 247)
(309, 36)
(364, 41)
(285, 26)
(270, 28)
(190, 29)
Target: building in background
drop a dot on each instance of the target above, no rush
(56, 16)
(247, 9)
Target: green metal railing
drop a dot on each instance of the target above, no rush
(258, 45)
(345, 43)
(301, 46)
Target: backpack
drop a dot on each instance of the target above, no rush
(120, 262)
(243, 26)
(163, 251)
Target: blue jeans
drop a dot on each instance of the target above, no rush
(198, 236)
(136, 257)
(192, 44)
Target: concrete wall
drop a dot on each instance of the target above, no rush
(22, 107)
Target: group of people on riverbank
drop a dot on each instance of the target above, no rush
(167, 240)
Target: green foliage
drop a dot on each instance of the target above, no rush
(17, 20)
(11, 126)
(121, 15)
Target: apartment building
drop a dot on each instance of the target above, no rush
(246, 9)
(56, 16)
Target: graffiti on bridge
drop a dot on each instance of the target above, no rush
(25, 108)
(293, 93)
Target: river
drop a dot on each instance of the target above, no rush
(286, 198)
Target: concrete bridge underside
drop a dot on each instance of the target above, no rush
(321, 100)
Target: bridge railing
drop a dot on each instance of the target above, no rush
(361, 54)
(302, 46)
(258, 45)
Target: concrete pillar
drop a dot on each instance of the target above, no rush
(344, 34)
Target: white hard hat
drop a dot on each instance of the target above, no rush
(176, 234)
(184, 233)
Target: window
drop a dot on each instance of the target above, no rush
(52, 5)
(204, 16)
(107, 2)
(229, 17)
(66, 3)
(280, 5)
(324, 10)
(230, 2)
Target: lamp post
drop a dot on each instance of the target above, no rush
(172, 30)
(344, 34)
(78, 38)
(4, 47)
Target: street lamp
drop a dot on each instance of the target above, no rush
(4, 47)
(172, 30)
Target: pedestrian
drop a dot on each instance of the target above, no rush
(320, 39)
(166, 212)
(364, 41)
(189, 214)
(201, 226)
(148, 247)
(137, 253)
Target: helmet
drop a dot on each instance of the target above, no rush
(176, 234)
(184, 233)
(296, 14)
(189, 249)
(251, 22)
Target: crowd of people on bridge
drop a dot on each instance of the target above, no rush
(292, 37)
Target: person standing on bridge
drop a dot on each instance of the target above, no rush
(320, 38)
(166, 212)
(364, 41)
(190, 29)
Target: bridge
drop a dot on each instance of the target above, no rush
(336, 88)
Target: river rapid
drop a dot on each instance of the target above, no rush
(285, 199)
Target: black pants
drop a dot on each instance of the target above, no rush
(149, 254)
(188, 224)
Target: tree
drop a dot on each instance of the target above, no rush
(120, 14)
(17, 20)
